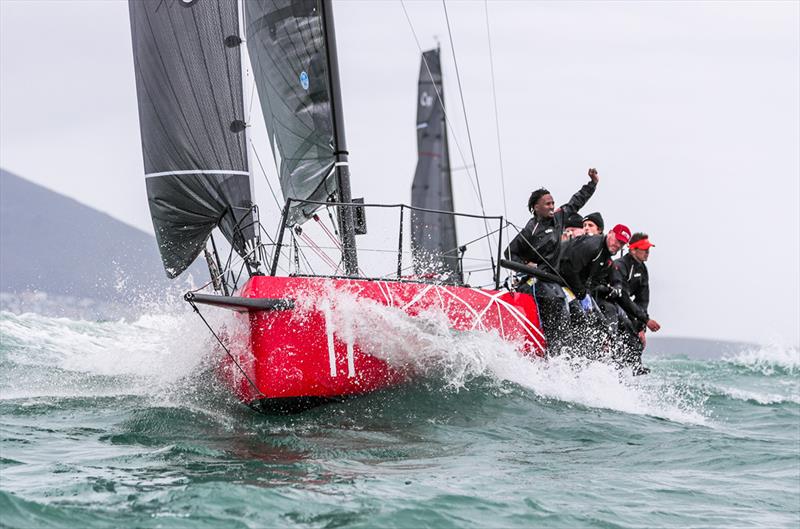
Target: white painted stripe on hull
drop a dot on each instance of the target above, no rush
(351, 366)
(326, 311)
(417, 297)
(515, 311)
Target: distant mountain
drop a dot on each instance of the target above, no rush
(53, 244)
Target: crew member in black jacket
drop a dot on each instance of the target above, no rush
(600, 287)
(585, 263)
(630, 277)
(539, 243)
(587, 259)
(593, 224)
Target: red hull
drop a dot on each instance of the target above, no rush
(312, 351)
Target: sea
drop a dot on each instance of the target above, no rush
(123, 424)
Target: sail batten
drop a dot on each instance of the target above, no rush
(191, 108)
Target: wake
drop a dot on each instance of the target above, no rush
(426, 345)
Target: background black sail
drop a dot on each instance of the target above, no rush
(286, 43)
(433, 235)
(189, 87)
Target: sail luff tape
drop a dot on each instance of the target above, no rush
(198, 171)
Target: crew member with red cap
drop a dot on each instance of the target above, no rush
(629, 275)
(585, 263)
(587, 259)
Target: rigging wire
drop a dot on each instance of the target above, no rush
(449, 123)
(544, 260)
(264, 172)
(463, 106)
(496, 119)
(496, 113)
(227, 351)
(466, 166)
(466, 121)
(305, 258)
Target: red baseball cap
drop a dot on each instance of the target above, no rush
(641, 244)
(622, 233)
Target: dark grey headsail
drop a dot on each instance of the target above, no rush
(189, 86)
(287, 46)
(433, 235)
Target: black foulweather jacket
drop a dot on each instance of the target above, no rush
(584, 262)
(540, 239)
(631, 277)
(599, 285)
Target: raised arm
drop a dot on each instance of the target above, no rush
(583, 195)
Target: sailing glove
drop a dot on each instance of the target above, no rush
(586, 303)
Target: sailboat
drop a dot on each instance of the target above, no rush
(297, 343)
(433, 235)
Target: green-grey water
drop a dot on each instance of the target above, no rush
(122, 424)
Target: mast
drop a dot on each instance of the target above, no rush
(342, 166)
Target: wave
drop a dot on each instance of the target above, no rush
(163, 354)
(768, 360)
(759, 397)
(428, 345)
(47, 356)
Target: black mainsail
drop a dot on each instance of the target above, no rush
(433, 235)
(188, 80)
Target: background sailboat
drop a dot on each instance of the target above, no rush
(433, 235)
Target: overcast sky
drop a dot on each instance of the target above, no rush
(690, 111)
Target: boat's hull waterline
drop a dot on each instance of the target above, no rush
(330, 339)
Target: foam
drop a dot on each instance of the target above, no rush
(66, 357)
(427, 344)
(768, 360)
(760, 398)
(162, 350)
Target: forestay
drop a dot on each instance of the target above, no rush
(188, 78)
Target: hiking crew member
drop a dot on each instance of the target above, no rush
(573, 227)
(630, 276)
(539, 243)
(587, 259)
(600, 287)
(593, 224)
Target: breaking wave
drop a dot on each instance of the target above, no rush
(761, 398)
(768, 360)
(61, 357)
(156, 353)
(428, 345)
